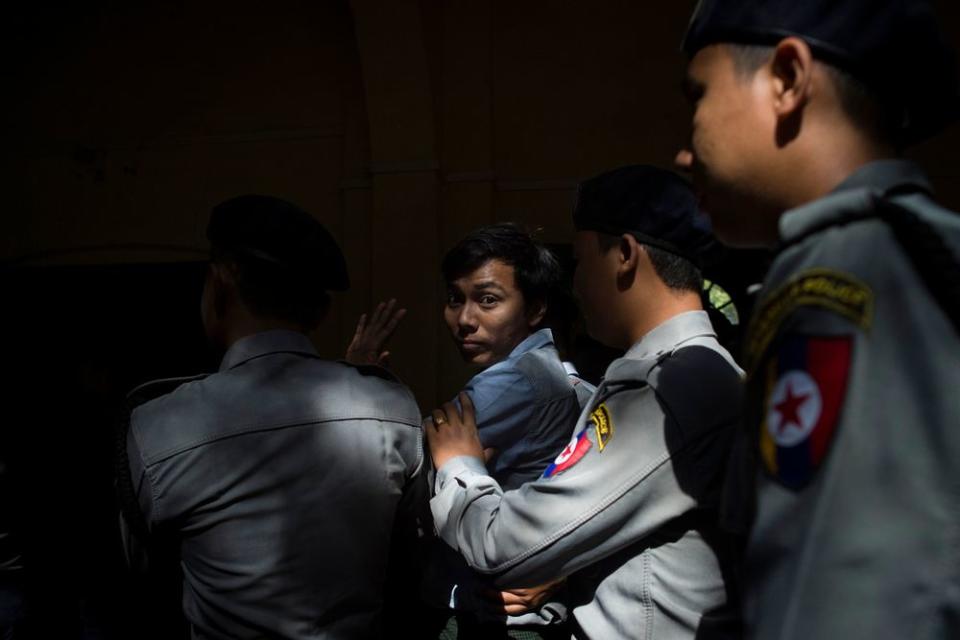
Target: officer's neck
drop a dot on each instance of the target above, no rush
(242, 323)
(650, 311)
(828, 152)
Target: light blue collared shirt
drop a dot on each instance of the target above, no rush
(526, 409)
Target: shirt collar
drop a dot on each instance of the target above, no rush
(670, 334)
(886, 176)
(533, 341)
(260, 344)
(880, 178)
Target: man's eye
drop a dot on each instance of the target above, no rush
(453, 300)
(488, 300)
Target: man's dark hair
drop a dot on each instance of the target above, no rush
(863, 106)
(675, 271)
(272, 290)
(535, 268)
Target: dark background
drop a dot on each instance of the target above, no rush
(400, 124)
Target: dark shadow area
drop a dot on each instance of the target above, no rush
(700, 435)
(76, 340)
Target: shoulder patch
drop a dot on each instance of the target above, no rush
(825, 288)
(805, 383)
(572, 454)
(602, 424)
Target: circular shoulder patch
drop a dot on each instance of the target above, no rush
(794, 408)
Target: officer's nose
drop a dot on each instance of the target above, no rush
(684, 160)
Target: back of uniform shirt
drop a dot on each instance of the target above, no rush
(281, 477)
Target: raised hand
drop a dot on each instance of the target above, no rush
(370, 339)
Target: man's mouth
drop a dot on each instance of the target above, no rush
(472, 346)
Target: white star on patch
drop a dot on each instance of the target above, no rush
(568, 450)
(794, 408)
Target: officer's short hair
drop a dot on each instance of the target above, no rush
(675, 271)
(861, 105)
(270, 290)
(535, 269)
(283, 259)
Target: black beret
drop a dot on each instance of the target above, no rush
(894, 47)
(280, 233)
(654, 205)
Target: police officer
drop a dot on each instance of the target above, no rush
(628, 510)
(800, 111)
(278, 477)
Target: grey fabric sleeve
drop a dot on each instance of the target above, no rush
(554, 526)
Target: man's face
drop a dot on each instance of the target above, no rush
(731, 132)
(486, 313)
(594, 284)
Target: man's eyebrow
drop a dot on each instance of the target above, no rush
(488, 284)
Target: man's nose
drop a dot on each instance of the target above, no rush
(684, 159)
(466, 319)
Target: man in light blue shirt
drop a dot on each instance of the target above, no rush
(499, 285)
(525, 409)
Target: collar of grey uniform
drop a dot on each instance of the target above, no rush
(260, 344)
(854, 195)
(668, 335)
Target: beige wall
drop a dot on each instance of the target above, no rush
(400, 124)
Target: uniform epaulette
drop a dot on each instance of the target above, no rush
(372, 370)
(929, 254)
(153, 389)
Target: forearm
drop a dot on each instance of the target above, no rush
(550, 528)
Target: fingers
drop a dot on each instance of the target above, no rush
(452, 411)
(377, 314)
(469, 412)
(506, 602)
(382, 313)
(393, 321)
(361, 325)
(439, 417)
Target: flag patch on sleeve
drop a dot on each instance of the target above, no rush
(806, 381)
(571, 454)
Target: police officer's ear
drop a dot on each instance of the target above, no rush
(791, 72)
(631, 257)
(221, 281)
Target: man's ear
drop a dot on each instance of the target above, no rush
(791, 70)
(220, 281)
(536, 313)
(628, 254)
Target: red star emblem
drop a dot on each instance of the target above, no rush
(789, 408)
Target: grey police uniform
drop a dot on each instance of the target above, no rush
(280, 476)
(628, 509)
(583, 388)
(856, 371)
